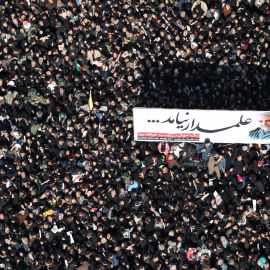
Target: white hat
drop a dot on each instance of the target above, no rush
(194, 44)
(18, 145)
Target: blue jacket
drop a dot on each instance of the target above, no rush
(222, 165)
(135, 185)
(204, 154)
(115, 260)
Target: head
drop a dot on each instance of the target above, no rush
(215, 155)
(264, 121)
(207, 143)
(220, 261)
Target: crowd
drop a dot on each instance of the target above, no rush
(77, 192)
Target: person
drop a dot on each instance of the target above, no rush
(192, 254)
(186, 152)
(213, 164)
(205, 149)
(164, 148)
(220, 265)
(263, 131)
(222, 164)
(200, 7)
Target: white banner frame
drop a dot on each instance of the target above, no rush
(220, 126)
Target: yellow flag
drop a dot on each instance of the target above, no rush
(90, 102)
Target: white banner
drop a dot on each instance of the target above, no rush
(197, 125)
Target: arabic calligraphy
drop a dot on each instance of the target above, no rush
(190, 125)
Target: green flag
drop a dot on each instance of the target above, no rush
(78, 67)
